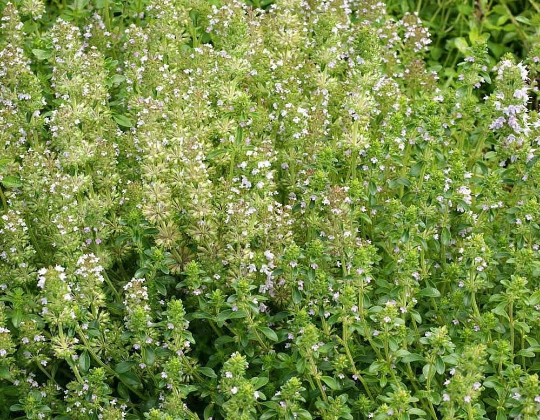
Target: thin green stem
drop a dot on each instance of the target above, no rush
(47, 374)
(523, 359)
(351, 360)
(4, 201)
(109, 283)
(35, 243)
(316, 376)
(107, 16)
(216, 330)
(428, 387)
(519, 30)
(77, 374)
(536, 7)
(512, 329)
(475, 306)
(104, 365)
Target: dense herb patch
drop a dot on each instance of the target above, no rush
(220, 211)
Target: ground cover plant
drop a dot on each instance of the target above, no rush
(280, 210)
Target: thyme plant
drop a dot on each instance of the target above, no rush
(214, 210)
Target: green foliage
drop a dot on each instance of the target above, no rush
(296, 209)
(506, 26)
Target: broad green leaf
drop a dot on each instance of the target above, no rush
(372, 188)
(41, 54)
(430, 292)
(84, 361)
(416, 169)
(215, 153)
(412, 357)
(117, 79)
(297, 296)
(123, 367)
(446, 237)
(331, 382)
(534, 299)
(4, 372)
(304, 414)
(429, 370)
(417, 412)
(365, 218)
(149, 356)
(16, 317)
(501, 415)
(269, 333)
(523, 19)
(206, 371)
(301, 365)
(122, 120)
(439, 365)
(208, 411)
(268, 415)
(198, 315)
(526, 353)
(130, 378)
(230, 314)
(461, 44)
(140, 273)
(11, 181)
(416, 316)
(403, 181)
(259, 382)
